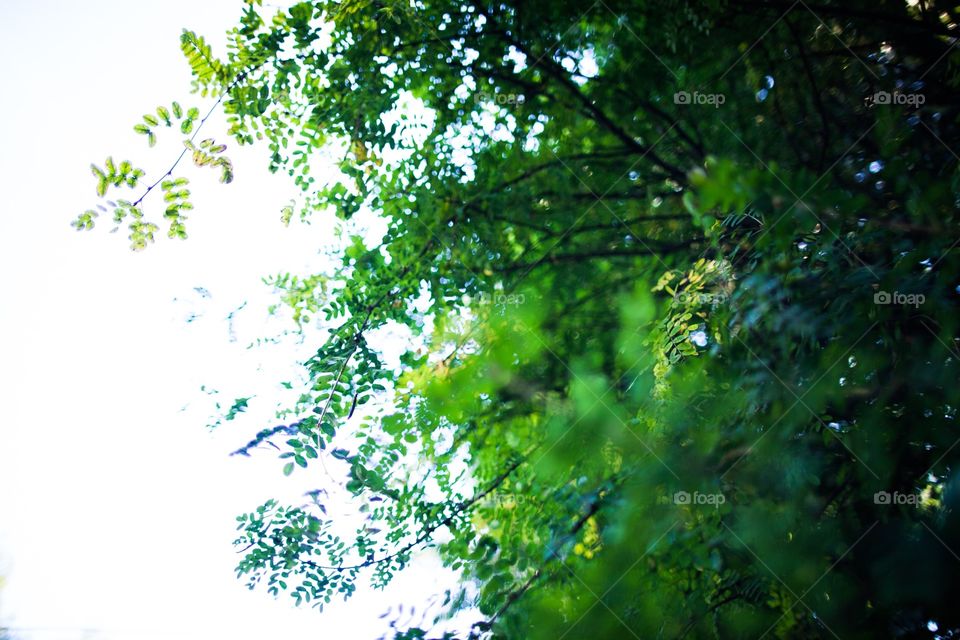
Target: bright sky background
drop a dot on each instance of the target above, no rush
(117, 506)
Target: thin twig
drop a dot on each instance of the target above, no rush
(196, 131)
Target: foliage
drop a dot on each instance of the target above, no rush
(683, 284)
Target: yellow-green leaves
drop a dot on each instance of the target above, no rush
(85, 221)
(168, 117)
(176, 196)
(116, 176)
(111, 175)
(141, 234)
(208, 153)
(101, 180)
(205, 67)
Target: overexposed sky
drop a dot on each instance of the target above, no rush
(117, 506)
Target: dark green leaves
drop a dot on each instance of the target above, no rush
(653, 262)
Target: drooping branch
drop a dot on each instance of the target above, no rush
(240, 77)
(428, 532)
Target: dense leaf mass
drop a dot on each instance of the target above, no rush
(684, 283)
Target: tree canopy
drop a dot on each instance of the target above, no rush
(684, 287)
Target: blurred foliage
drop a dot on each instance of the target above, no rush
(683, 287)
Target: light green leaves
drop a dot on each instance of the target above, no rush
(112, 175)
(176, 196)
(168, 117)
(85, 221)
(208, 153)
(205, 67)
(141, 234)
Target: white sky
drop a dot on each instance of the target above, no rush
(117, 508)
